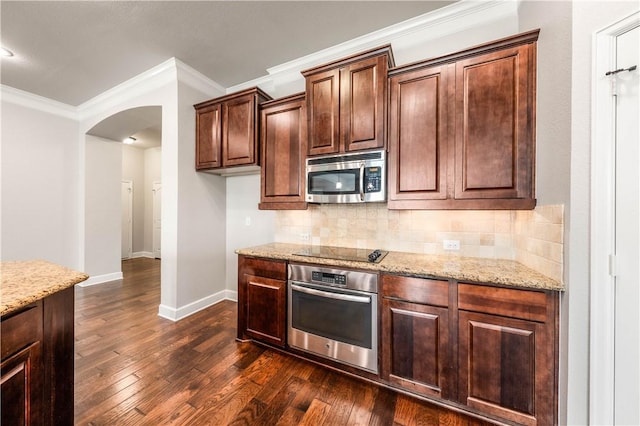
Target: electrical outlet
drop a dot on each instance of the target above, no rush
(451, 244)
(247, 221)
(304, 236)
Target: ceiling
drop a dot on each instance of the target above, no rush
(72, 51)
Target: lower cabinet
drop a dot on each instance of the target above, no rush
(415, 335)
(37, 362)
(262, 296)
(507, 353)
(491, 349)
(479, 347)
(22, 368)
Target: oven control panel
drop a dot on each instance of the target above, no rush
(329, 278)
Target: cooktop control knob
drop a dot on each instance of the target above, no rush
(374, 255)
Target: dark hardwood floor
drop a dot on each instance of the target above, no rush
(134, 368)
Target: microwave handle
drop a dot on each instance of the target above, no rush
(361, 181)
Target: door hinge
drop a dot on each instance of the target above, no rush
(613, 265)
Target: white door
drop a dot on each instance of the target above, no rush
(627, 231)
(157, 218)
(126, 203)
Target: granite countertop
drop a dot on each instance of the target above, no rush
(478, 270)
(24, 282)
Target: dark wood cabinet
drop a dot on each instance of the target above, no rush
(227, 131)
(419, 141)
(37, 362)
(22, 368)
(262, 297)
(462, 129)
(347, 103)
(416, 348)
(283, 144)
(507, 353)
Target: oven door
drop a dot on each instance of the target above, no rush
(334, 323)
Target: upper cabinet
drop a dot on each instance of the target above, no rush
(346, 103)
(462, 129)
(283, 143)
(227, 132)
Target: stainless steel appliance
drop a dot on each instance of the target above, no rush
(334, 313)
(347, 178)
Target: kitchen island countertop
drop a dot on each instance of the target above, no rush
(24, 282)
(472, 269)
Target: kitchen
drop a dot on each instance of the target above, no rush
(559, 181)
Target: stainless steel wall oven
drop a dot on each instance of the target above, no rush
(334, 313)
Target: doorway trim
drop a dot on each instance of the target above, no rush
(129, 211)
(602, 232)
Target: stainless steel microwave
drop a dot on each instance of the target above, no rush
(347, 178)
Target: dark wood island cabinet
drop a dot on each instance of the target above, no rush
(37, 333)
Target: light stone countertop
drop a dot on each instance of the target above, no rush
(24, 282)
(467, 269)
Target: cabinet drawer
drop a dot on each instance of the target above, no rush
(274, 269)
(20, 330)
(514, 303)
(416, 290)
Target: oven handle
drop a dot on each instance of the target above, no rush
(344, 297)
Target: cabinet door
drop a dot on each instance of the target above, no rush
(265, 309)
(21, 390)
(323, 91)
(495, 113)
(418, 136)
(209, 137)
(363, 100)
(416, 342)
(238, 131)
(505, 369)
(284, 142)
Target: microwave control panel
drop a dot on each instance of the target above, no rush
(373, 179)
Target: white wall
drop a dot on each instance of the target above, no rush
(201, 214)
(40, 186)
(133, 166)
(243, 196)
(102, 200)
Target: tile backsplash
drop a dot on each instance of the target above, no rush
(531, 237)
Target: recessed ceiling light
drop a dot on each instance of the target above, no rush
(5, 52)
(129, 140)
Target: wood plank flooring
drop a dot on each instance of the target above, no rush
(134, 368)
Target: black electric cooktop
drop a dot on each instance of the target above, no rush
(344, 253)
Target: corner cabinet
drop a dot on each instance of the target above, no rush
(283, 143)
(262, 296)
(227, 131)
(462, 129)
(347, 103)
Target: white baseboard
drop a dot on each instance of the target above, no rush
(137, 254)
(176, 314)
(100, 279)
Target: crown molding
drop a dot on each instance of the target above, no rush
(198, 81)
(36, 102)
(454, 18)
(153, 78)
